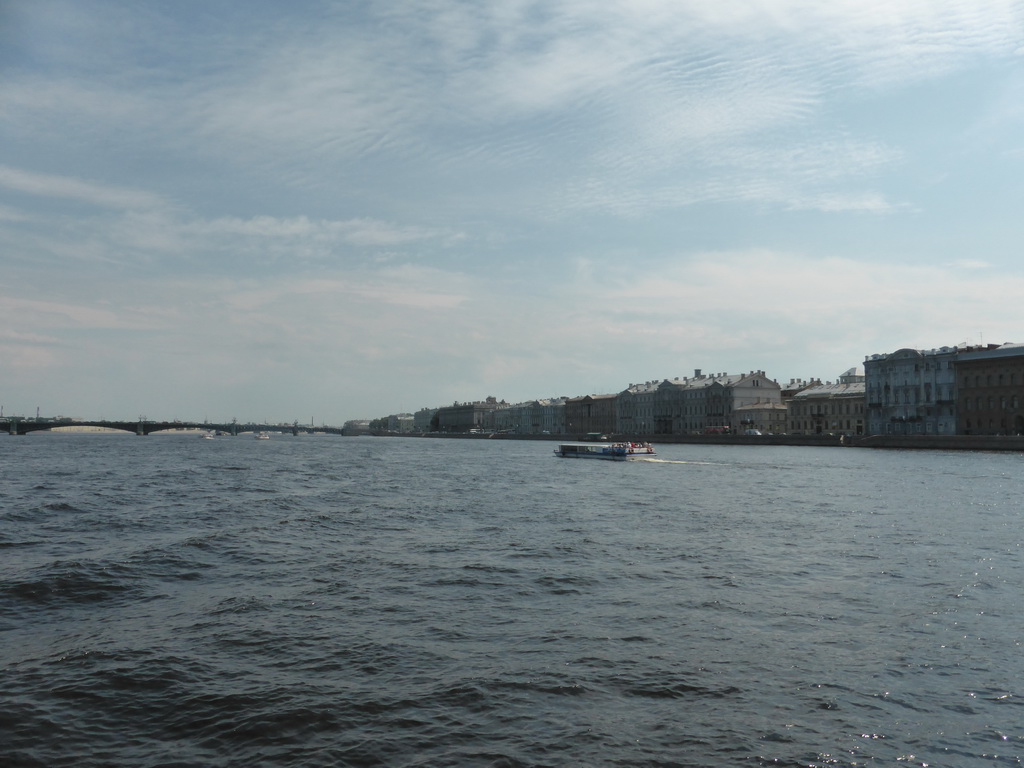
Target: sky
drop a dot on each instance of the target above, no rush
(322, 211)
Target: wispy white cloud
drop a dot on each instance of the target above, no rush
(139, 229)
(792, 298)
(12, 215)
(24, 317)
(66, 187)
(656, 85)
(869, 202)
(27, 338)
(362, 232)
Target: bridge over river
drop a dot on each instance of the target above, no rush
(22, 426)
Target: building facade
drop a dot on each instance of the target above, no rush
(590, 414)
(710, 403)
(975, 390)
(547, 416)
(510, 420)
(835, 408)
(356, 427)
(911, 392)
(466, 417)
(423, 420)
(534, 417)
(400, 423)
(766, 418)
(991, 390)
(635, 409)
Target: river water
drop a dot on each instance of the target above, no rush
(329, 601)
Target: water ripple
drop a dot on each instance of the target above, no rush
(326, 601)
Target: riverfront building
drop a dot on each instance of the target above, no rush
(423, 420)
(712, 402)
(547, 416)
(830, 408)
(946, 391)
(590, 414)
(356, 427)
(720, 402)
(635, 408)
(534, 417)
(991, 391)
(766, 418)
(911, 392)
(400, 423)
(466, 417)
(977, 390)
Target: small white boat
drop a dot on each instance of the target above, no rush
(207, 436)
(262, 435)
(608, 452)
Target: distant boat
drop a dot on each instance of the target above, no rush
(207, 435)
(612, 452)
(262, 435)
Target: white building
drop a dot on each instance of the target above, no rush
(695, 405)
(708, 402)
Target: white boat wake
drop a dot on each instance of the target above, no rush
(670, 461)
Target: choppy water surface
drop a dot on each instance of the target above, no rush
(328, 601)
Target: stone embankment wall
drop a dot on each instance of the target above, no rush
(905, 442)
(943, 442)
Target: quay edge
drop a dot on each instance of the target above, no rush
(892, 442)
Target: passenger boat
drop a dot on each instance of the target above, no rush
(609, 452)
